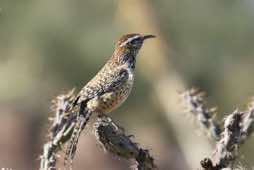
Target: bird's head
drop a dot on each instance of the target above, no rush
(132, 41)
(127, 48)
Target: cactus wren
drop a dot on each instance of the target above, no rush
(110, 87)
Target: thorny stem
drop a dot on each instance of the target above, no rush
(195, 104)
(238, 126)
(109, 134)
(60, 131)
(113, 139)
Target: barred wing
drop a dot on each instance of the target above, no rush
(104, 82)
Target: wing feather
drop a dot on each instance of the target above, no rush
(104, 82)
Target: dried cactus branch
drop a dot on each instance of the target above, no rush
(238, 126)
(110, 135)
(226, 148)
(113, 139)
(247, 126)
(60, 131)
(195, 103)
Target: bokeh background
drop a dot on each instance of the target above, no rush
(48, 47)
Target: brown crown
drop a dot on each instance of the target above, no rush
(125, 37)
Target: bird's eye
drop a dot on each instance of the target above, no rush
(135, 41)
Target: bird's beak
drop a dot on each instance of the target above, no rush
(148, 36)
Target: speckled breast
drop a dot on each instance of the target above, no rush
(110, 101)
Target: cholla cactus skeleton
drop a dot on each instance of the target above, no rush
(195, 103)
(238, 126)
(60, 131)
(109, 134)
(113, 139)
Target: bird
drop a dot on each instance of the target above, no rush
(110, 87)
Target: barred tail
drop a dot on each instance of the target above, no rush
(80, 124)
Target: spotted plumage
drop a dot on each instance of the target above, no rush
(110, 87)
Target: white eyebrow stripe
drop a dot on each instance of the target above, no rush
(129, 40)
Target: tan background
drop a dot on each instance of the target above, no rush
(48, 47)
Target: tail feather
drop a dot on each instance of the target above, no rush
(80, 124)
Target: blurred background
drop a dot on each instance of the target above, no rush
(48, 47)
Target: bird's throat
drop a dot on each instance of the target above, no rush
(126, 56)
